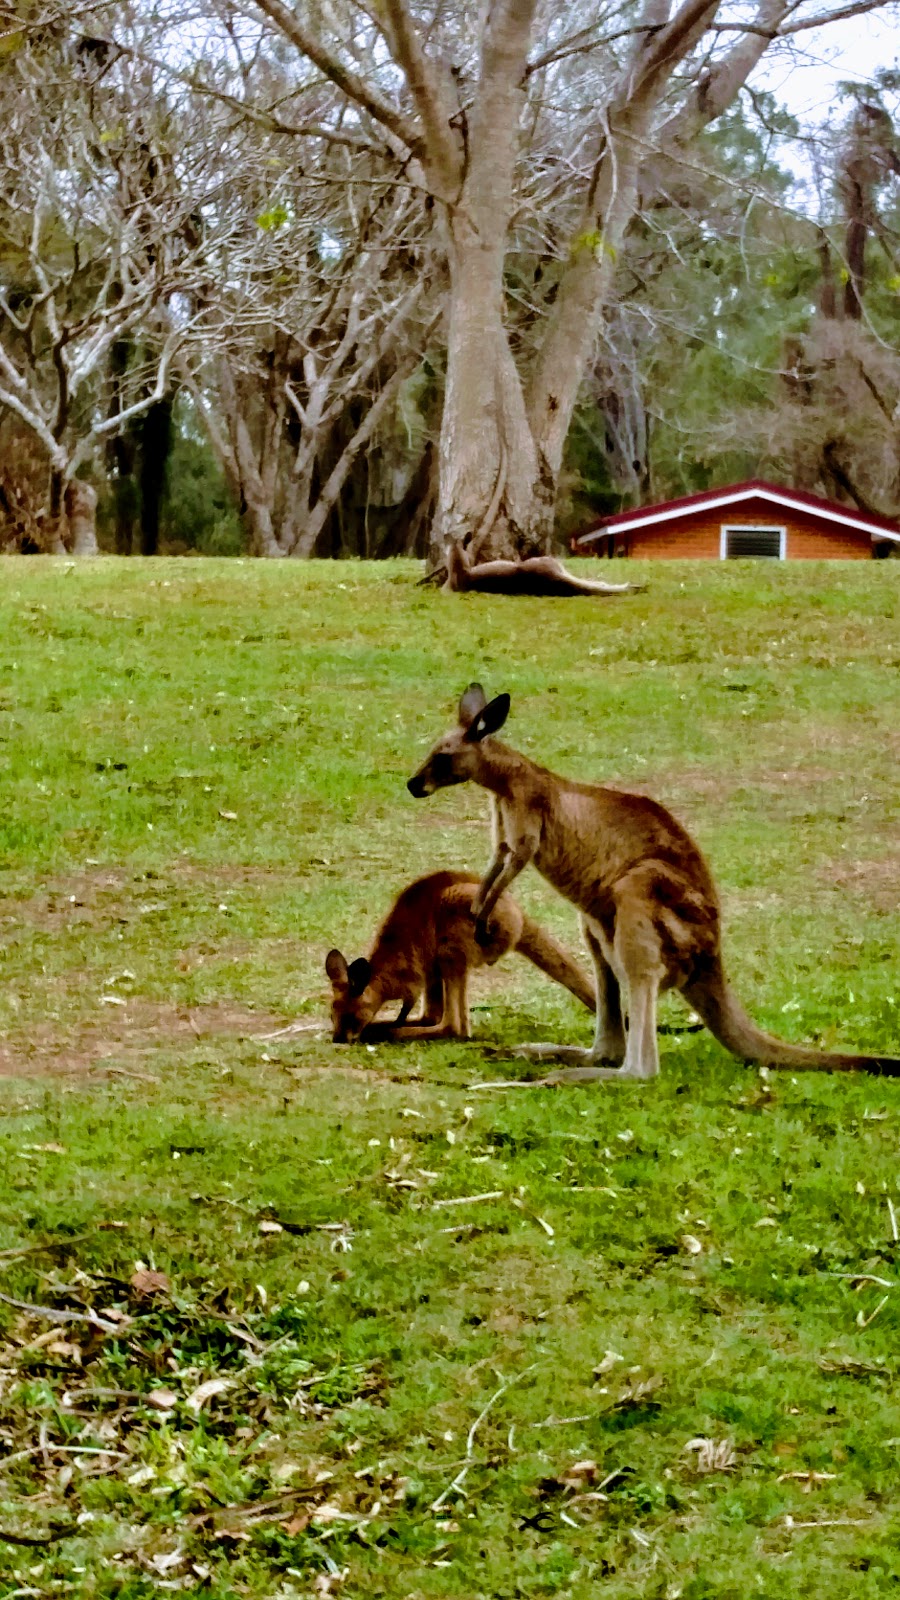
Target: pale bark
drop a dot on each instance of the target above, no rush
(81, 516)
(255, 493)
(236, 456)
(304, 535)
(585, 291)
(488, 460)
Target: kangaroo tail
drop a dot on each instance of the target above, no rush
(727, 1020)
(541, 948)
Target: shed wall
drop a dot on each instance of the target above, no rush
(697, 535)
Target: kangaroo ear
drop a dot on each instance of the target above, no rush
(359, 972)
(473, 701)
(336, 969)
(488, 721)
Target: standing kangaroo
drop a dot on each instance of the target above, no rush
(650, 912)
(426, 945)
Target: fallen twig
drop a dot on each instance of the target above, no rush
(831, 1522)
(509, 1083)
(34, 1541)
(470, 1440)
(50, 1244)
(863, 1322)
(123, 1072)
(292, 1027)
(471, 1199)
(53, 1315)
(560, 1422)
(865, 1277)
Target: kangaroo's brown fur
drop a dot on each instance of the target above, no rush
(538, 575)
(426, 946)
(650, 912)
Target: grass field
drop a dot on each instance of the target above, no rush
(282, 1350)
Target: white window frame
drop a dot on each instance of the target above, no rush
(741, 527)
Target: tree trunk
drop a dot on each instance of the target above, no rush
(583, 296)
(156, 445)
(121, 452)
(57, 528)
(242, 468)
(81, 515)
(493, 492)
(305, 533)
(493, 489)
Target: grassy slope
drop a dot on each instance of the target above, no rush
(138, 703)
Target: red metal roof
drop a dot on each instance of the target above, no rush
(732, 494)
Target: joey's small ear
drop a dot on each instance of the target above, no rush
(473, 701)
(359, 972)
(488, 721)
(336, 968)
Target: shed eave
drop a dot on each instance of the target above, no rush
(671, 513)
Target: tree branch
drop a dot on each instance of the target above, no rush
(858, 8)
(342, 77)
(305, 542)
(441, 152)
(717, 88)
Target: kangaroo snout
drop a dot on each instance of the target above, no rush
(418, 786)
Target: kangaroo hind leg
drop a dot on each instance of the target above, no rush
(603, 1058)
(453, 1020)
(637, 955)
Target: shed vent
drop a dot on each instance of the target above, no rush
(765, 544)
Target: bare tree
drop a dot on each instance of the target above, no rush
(519, 119)
(323, 322)
(833, 423)
(89, 261)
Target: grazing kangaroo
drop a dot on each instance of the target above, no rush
(650, 912)
(426, 946)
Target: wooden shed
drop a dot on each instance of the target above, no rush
(755, 519)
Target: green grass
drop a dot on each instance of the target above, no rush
(202, 774)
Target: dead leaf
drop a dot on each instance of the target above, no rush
(325, 1583)
(690, 1245)
(713, 1455)
(329, 1513)
(166, 1562)
(639, 1394)
(63, 1348)
(271, 1227)
(228, 816)
(147, 1283)
(207, 1391)
(606, 1365)
(850, 1368)
(162, 1399)
(297, 1524)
